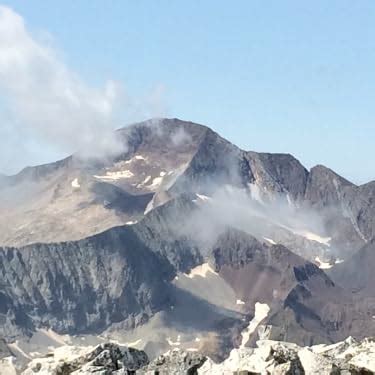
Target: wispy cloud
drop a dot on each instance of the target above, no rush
(44, 103)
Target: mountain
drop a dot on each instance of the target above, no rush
(178, 241)
(75, 198)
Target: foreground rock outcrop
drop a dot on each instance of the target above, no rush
(106, 358)
(269, 357)
(175, 362)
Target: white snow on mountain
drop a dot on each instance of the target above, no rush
(114, 176)
(270, 240)
(315, 237)
(75, 184)
(156, 182)
(136, 157)
(261, 312)
(323, 265)
(309, 235)
(201, 271)
(203, 197)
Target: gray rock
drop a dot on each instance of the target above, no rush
(105, 359)
(175, 362)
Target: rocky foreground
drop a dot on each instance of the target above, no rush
(269, 357)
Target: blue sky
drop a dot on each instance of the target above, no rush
(276, 76)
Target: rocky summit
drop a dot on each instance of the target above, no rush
(183, 253)
(268, 357)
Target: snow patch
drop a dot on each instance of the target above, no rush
(203, 197)
(156, 182)
(270, 240)
(136, 157)
(240, 302)
(323, 265)
(315, 237)
(261, 312)
(201, 271)
(131, 222)
(311, 236)
(114, 176)
(75, 184)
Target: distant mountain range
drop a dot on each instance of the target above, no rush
(173, 242)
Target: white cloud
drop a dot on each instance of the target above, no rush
(43, 102)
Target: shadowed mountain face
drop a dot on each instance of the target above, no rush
(357, 273)
(81, 286)
(307, 307)
(182, 234)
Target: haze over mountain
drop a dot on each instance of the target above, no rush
(177, 240)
